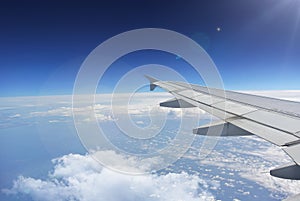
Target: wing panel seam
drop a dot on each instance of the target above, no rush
(242, 117)
(295, 116)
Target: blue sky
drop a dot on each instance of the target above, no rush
(43, 43)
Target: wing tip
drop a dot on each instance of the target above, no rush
(151, 80)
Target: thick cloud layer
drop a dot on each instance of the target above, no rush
(79, 177)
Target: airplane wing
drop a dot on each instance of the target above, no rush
(275, 120)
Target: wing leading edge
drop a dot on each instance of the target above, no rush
(275, 120)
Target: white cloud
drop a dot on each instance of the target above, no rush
(253, 161)
(15, 116)
(292, 95)
(59, 111)
(78, 177)
(100, 112)
(141, 106)
(54, 121)
(139, 122)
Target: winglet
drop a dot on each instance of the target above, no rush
(151, 80)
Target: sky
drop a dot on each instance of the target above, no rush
(254, 44)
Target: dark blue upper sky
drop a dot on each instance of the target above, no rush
(43, 43)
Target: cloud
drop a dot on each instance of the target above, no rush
(139, 122)
(292, 95)
(253, 161)
(100, 112)
(59, 108)
(15, 116)
(79, 177)
(140, 106)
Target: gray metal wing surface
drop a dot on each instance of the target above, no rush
(275, 120)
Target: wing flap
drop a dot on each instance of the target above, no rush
(294, 152)
(214, 111)
(276, 120)
(272, 135)
(207, 99)
(235, 108)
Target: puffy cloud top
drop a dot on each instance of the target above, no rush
(79, 177)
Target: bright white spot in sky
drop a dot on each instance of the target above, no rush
(218, 29)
